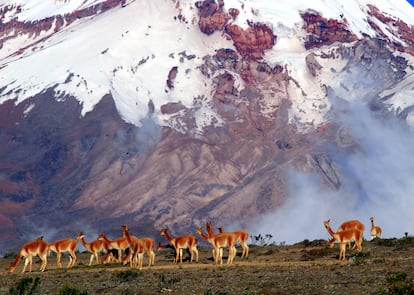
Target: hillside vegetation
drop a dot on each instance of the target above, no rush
(385, 266)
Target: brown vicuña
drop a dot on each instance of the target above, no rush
(349, 224)
(182, 242)
(159, 247)
(95, 247)
(64, 245)
(136, 249)
(30, 249)
(118, 244)
(241, 235)
(220, 241)
(376, 231)
(343, 237)
(148, 243)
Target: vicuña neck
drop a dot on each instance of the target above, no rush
(330, 231)
(203, 236)
(167, 235)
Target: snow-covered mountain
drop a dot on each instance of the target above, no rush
(270, 115)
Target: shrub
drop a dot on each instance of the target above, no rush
(26, 285)
(261, 240)
(396, 277)
(70, 290)
(127, 275)
(10, 255)
(360, 258)
(165, 283)
(399, 283)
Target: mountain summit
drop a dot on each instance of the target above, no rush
(164, 113)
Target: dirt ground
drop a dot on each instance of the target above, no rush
(384, 266)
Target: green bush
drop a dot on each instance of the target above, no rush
(399, 284)
(127, 275)
(10, 255)
(70, 290)
(166, 283)
(26, 285)
(360, 258)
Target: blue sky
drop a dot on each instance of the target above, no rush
(411, 2)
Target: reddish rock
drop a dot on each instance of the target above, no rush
(213, 23)
(396, 26)
(206, 8)
(234, 12)
(212, 17)
(252, 43)
(322, 31)
(14, 27)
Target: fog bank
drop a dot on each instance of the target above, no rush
(376, 180)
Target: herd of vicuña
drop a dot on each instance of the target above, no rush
(348, 231)
(135, 248)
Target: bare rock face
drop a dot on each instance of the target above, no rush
(32, 29)
(224, 54)
(322, 31)
(172, 108)
(99, 172)
(251, 43)
(171, 77)
(400, 28)
(312, 64)
(46, 175)
(212, 17)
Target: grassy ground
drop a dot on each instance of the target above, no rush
(384, 266)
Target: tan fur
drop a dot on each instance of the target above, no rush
(350, 224)
(220, 241)
(148, 244)
(95, 247)
(182, 242)
(62, 246)
(343, 237)
(30, 249)
(136, 247)
(376, 231)
(118, 244)
(241, 235)
(149, 249)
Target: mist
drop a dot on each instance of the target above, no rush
(138, 139)
(148, 134)
(375, 181)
